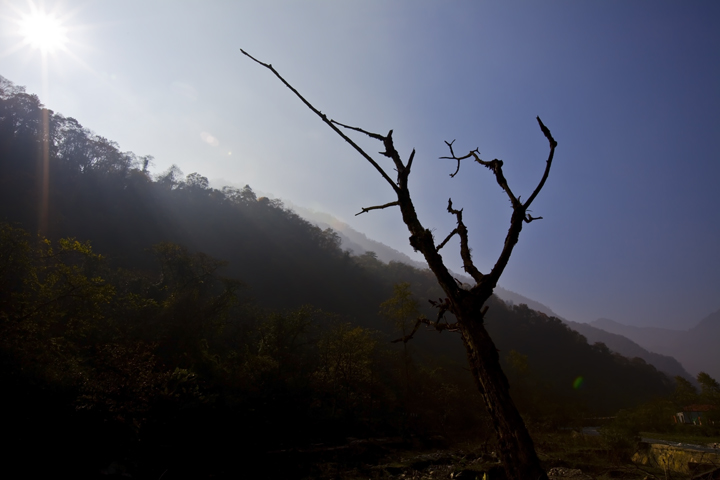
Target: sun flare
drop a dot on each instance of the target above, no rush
(43, 32)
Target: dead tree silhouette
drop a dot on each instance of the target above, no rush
(516, 448)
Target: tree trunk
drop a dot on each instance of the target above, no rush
(517, 451)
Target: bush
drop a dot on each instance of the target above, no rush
(621, 436)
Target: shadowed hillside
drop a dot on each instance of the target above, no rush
(162, 317)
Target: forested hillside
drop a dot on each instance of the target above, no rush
(153, 308)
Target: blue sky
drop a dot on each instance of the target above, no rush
(630, 90)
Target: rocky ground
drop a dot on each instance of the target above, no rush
(565, 456)
(396, 459)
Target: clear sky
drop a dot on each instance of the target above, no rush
(630, 90)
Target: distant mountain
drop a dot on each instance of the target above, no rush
(652, 338)
(626, 347)
(359, 243)
(698, 348)
(512, 298)
(99, 194)
(353, 240)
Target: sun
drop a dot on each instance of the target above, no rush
(43, 31)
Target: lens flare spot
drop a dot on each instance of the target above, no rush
(578, 382)
(209, 139)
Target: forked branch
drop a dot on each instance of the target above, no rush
(376, 136)
(495, 166)
(520, 215)
(421, 239)
(459, 159)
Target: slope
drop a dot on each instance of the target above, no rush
(628, 348)
(696, 348)
(98, 193)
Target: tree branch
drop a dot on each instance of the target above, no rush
(453, 157)
(421, 239)
(376, 136)
(443, 306)
(447, 239)
(520, 215)
(324, 118)
(391, 153)
(553, 144)
(450, 327)
(461, 229)
(495, 166)
(409, 337)
(367, 209)
(406, 172)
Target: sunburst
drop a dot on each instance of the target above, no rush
(46, 32)
(44, 36)
(43, 31)
(38, 29)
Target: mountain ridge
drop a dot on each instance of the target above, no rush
(273, 257)
(359, 244)
(628, 348)
(697, 348)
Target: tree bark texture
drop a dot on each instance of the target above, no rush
(517, 451)
(516, 448)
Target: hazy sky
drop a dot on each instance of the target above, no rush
(630, 90)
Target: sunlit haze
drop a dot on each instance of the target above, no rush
(43, 32)
(630, 227)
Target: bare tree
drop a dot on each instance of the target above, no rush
(517, 451)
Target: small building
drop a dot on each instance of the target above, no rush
(693, 414)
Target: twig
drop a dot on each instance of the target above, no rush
(443, 306)
(447, 239)
(378, 207)
(376, 136)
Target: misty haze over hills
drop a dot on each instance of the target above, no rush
(630, 349)
(645, 343)
(153, 325)
(108, 197)
(696, 348)
(358, 243)
(255, 312)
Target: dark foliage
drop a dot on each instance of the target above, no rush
(596, 380)
(153, 354)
